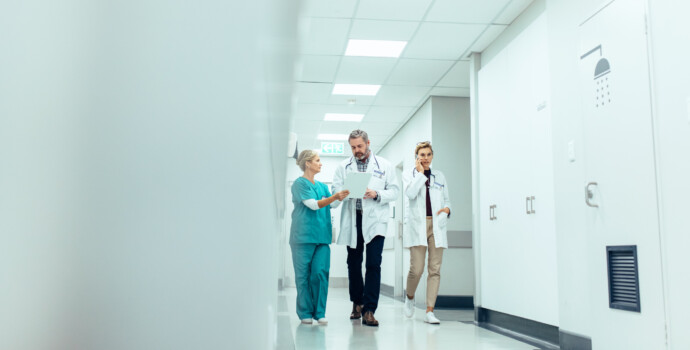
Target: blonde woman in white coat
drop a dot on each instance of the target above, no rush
(427, 216)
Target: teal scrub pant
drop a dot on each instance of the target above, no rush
(312, 262)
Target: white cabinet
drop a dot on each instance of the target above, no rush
(518, 240)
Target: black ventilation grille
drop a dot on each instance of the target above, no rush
(624, 283)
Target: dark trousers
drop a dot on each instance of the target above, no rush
(365, 292)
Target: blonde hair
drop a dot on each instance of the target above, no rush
(305, 156)
(425, 144)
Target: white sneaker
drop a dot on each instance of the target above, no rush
(430, 318)
(409, 307)
(307, 321)
(322, 321)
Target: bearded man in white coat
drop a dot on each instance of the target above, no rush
(364, 223)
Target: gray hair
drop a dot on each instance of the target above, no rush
(305, 156)
(357, 134)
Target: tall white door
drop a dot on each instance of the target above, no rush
(619, 158)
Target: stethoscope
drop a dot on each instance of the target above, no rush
(375, 160)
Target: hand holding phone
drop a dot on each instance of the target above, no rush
(418, 164)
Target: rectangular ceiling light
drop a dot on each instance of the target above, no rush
(374, 48)
(356, 89)
(333, 137)
(342, 117)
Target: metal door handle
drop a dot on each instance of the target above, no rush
(491, 212)
(589, 194)
(531, 204)
(527, 205)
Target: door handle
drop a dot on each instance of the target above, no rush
(531, 204)
(527, 205)
(589, 194)
(491, 212)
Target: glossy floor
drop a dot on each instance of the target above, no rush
(395, 331)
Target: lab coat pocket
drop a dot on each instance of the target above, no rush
(442, 220)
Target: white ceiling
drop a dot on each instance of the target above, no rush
(440, 34)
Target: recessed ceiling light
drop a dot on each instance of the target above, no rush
(333, 137)
(342, 117)
(374, 48)
(356, 89)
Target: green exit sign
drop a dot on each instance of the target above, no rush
(332, 148)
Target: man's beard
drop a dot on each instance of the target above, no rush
(361, 156)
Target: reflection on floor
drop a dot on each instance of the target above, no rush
(395, 330)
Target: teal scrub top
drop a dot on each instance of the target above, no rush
(310, 226)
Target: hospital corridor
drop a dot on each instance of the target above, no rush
(344, 174)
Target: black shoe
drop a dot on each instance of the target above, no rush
(356, 311)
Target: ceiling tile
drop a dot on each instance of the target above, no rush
(445, 91)
(316, 112)
(329, 8)
(512, 11)
(325, 36)
(491, 33)
(388, 114)
(364, 70)
(313, 92)
(382, 30)
(358, 100)
(458, 76)
(408, 96)
(313, 68)
(446, 41)
(338, 127)
(418, 72)
(409, 10)
(380, 128)
(465, 11)
(305, 126)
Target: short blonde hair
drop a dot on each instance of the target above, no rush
(425, 144)
(305, 156)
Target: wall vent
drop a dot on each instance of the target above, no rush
(624, 283)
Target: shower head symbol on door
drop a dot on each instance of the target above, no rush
(602, 94)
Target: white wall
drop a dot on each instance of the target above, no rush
(450, 129)
(668, 31)
(138, 171)
(519, 274)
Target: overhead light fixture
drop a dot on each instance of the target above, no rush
(342, 117)
(333, 137)
(374, 48)
(356, 89)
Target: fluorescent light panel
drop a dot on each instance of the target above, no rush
(333, 137)
(374, 48)
(356, 89)
(342, 117)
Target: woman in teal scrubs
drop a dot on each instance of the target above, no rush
(310, 236)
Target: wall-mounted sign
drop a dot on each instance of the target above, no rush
(332, 148)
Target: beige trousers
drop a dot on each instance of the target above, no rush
(417, 255)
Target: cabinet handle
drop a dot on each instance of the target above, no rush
(491, 212)
(527, 205)
(531, 204)
(589, 194)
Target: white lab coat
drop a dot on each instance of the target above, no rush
(374, 213)
(414, 233)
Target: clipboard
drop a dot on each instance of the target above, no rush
(357, 184)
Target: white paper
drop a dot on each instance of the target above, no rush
(357, 184)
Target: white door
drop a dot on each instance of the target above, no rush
(619, 158)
